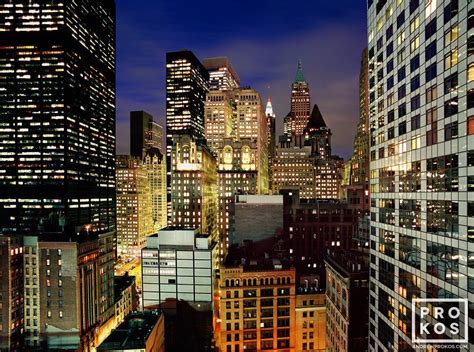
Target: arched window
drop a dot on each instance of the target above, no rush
(227, 283)
(232, 283)
(255, 282)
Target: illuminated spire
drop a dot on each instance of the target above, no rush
(299, 73)
(269, 108)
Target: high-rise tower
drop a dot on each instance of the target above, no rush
(57, 92)
(298, 117)
(421, 76)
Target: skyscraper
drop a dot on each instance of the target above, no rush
(57, 94)
(134, 206)
(422, 137)
(187, 82)
(220, 116)
(144, 133)
(222, 75)
(271, 123)
(298, 117)
(356, 189)
(155, 166)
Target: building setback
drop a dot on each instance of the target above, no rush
(57, 93)
(421, 163)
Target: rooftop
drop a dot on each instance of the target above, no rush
(133, 332)
(348, 262)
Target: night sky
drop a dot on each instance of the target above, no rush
(263, 39)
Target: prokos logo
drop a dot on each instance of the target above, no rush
(439, 320)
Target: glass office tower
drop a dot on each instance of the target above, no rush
(57, 122)
(421, 91)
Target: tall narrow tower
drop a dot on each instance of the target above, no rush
(300, 103)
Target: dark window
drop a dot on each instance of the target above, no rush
(401, 73)
(470, 45)
(451, 83)
(391, 116)
(379, 43)
(415, 122)
(389, 49)
(430, 51)
(402, 91)
(402, 128)
(389, 32)
(451, 107)
(390, 66)
(415, 102)
(381, 153)
(391, 133)
(415, 83)
(380, 75)
(432, 137)
(450, 131)
(430, 28)
(414, 5)
(470, 19)
(415, 63)
(450, 10)
(390, 82)
(431, 72)
(400, 19)
(402, 110)
(470, 98)
(380, 57)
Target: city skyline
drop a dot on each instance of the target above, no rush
(327, 37)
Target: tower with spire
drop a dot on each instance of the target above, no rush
(298, 117)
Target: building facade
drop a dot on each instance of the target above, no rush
(257, 309)
(154, 163)
(177, 264)
(11, 294)
(347, 301)
(60, 88)
(220, 115)
(222, 75)
(310, 321)
(298, 117)
(194, 186)
(134, 206)
(422, 138)
(312, 227)
(144, 134)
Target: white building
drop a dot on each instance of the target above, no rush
(177, 264)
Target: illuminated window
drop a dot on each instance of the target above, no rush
(451, 59)
(470, 125)
(430, 7)
(470, 72)
(414, 24)
(451, 35)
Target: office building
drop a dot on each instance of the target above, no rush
(126, 299)
(59, 167)
(12, 318)
(154, 163)
(144, 134)
(141, 331)
(134, 206)
(255, 218)
(347, 301)
(251, 123)
(257, 307)
(220, 115)
(271, 124)
(68, 289)
(194, 186)
(222, 75)
(177, 264)
(422, 138)
(297, 119)
(187, 83)
(310, 319)
(306, 162)
(311, 227)
(356, 184)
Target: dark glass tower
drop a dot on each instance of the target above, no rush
(57, 122)
(187, 82)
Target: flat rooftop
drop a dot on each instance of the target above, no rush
(133, 332)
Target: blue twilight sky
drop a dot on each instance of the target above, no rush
(263, 39)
